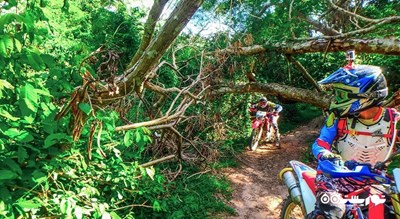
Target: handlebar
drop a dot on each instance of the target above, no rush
(360, 171)
(356, 169)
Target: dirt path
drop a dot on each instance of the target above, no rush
(257, 191)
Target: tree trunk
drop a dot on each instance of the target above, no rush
(315, 98)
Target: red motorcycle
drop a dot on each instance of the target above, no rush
(261, 127)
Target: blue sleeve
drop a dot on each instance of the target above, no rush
(324, 141)
(278, 108)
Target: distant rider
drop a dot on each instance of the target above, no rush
(357, 128)
(273, 109)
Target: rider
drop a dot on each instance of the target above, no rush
(272, 108)
(357, 128)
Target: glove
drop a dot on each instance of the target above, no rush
(350, 164)
(334, 158)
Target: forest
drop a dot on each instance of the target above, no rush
(121, 109)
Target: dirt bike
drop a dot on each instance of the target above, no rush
(261, 127)
(300, 202)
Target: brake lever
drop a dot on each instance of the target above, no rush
(380, 165)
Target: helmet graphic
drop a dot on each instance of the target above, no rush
(263, 99)
(356, 89)
(263, 102)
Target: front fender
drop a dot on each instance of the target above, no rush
(256, 123)
(307, 194)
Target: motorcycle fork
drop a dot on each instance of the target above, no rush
(396, 205)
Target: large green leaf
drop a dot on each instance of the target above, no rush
(5, 84)
(43, 92)
(28, 119)
(114, 215)
(85, 107)
(54, 138)
(48, 60)
(7, 115)
(5, 194)
(19, 135)
(18, 45)
(22, 154)
(24, 136)
(28, 99)
(128, 138)
(38, 176)
(3, 50)
(7, 174)
(14, 166)
(12, 132)
(28, 204)
(35, 61)
(8, 44)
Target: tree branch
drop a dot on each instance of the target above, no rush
(151, 163)
(305, 73)
(264, 8)
(134, 76)
(351, 13)
(180, 16)
(320, 100)
(149, 26)
(320, 27)
(385, 46)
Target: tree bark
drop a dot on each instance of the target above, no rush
(134, 77)
(149, 26)
(385, 46)
(314, 98)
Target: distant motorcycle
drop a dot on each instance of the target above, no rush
(261, 127)
(299, 180)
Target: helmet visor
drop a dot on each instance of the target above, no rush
(343, 98)
(263, 104)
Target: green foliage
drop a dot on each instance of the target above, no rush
(43, 172)
(194, 196)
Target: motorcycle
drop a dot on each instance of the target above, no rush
(299, 179)
(258, 124)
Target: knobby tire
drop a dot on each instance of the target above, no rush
(290, 210)
(255, 138)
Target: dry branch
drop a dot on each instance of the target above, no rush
(387, 46)
(151, 163)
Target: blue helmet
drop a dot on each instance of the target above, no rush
(356, 89)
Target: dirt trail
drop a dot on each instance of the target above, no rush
(257, 191)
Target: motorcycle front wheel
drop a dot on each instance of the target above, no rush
(255, 138)
(270, 134)
(291, 210)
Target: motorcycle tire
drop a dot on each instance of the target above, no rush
(255, 138)
(270, 134)
(291, 210)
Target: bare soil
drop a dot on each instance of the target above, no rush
(258, 192)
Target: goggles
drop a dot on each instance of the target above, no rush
(344, 93)
(263, 103)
